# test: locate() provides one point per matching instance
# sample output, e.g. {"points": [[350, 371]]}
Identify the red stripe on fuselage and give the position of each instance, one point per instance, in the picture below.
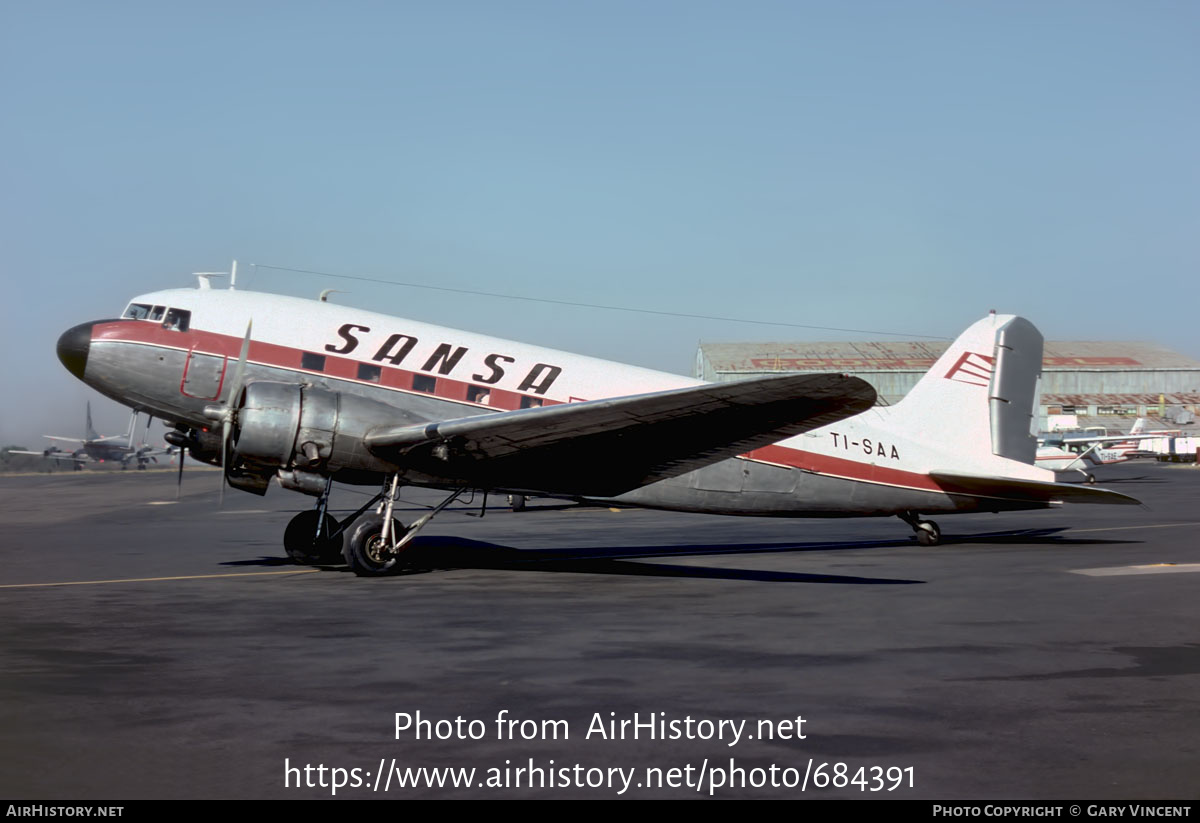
{"points": [[841, 467], [290, 358]]}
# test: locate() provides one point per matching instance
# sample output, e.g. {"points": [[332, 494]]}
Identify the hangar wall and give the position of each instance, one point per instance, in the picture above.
{"points": [[1102, 383]]}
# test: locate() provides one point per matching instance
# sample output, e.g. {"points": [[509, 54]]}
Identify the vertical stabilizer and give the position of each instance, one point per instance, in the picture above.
{"points": [[978, 398]]}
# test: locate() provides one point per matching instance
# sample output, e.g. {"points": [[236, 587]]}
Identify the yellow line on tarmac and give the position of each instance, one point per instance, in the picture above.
{"points": [[1125, 528], [1151, 568], [153, 579]]}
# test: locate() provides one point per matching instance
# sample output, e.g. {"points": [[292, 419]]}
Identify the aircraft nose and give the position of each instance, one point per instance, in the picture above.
{"points": [[73, 348]]}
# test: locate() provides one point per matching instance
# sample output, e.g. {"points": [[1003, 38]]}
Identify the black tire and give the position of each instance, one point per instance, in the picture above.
{"points": [[299, 542], [364, 552], [517, 502]]}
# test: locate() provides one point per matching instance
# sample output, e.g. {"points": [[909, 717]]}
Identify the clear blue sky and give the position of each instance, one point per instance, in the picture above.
{"points": [[893, 166]]}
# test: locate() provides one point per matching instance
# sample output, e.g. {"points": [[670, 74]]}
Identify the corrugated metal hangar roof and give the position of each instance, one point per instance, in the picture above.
{"points": [[920, 355], [1143, 399]]}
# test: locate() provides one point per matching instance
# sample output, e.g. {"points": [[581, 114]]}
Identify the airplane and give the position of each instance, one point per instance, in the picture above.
{"points": [[92, 447], [1062, 453], [307, 392]]}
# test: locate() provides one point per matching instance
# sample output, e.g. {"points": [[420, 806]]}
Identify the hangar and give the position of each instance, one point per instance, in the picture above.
{"points": [[1107, 384]]}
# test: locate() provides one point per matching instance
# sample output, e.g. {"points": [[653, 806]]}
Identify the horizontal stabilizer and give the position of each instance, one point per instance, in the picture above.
{"points": [[607, 447], [1008, 488]]}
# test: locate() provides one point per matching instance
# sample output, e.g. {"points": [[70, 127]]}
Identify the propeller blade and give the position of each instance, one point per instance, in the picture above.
{"points": [[225, 428], [179, 479], [239, 371], [233, 390]]}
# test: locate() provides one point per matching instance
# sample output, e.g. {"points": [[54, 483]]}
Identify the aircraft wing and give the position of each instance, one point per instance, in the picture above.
{"points": [[1014, 489], [55, 455], [607, 447], [1110, 438]]}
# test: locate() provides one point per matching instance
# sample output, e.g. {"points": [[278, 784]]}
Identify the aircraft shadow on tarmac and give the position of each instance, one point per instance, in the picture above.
{"points": [[431, 554]]}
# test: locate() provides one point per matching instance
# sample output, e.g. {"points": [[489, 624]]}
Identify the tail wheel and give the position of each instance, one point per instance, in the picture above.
{"points": [[305, 547], [367, 553]]}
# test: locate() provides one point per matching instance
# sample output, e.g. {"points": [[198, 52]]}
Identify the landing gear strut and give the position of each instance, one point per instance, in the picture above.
{"points": [[926, 531], [376, 544]]}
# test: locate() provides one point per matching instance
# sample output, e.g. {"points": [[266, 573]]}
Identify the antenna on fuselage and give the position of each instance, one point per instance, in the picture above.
{"points": [[324, 298]]}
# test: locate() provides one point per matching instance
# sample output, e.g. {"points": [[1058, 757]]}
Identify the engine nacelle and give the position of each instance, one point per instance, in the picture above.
{"points": [[287, 426], [268, 418]]}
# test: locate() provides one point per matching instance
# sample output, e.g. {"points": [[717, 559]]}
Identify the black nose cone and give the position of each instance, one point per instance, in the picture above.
{"points": [[73, 348]]}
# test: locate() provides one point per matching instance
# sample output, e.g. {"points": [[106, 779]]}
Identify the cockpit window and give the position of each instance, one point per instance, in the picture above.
{"points": [[177, 320], [156, 313], [137, 311]]}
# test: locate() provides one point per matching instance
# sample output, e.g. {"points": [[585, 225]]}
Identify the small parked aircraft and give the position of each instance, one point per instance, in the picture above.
{"points": [[1068, 452], [307, 392]]}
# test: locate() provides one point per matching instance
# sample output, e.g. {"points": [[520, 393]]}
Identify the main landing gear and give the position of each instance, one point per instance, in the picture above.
{"points": [[372, 545], [314, 538], [926, 531]]}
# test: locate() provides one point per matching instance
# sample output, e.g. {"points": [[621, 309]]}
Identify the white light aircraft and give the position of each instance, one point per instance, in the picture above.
{"points": [[1081, 452], [308, 392]]}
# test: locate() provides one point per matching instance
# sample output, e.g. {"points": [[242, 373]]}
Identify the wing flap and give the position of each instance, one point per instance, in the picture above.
{"points": [[1015, 489], [606, 447]]}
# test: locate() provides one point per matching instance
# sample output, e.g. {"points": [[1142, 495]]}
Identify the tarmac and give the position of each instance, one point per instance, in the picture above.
{"points": [[162, 649]]}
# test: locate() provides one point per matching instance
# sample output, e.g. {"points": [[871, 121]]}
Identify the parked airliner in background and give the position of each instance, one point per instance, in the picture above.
{"points": [[308, 392], [115, 448]]}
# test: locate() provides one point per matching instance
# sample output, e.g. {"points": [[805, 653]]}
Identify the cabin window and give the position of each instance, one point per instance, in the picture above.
{"points": [[368, 372], [530, 402], [312, 362], [425, 383], [479, 394], [137, 311], [177, 320]]}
